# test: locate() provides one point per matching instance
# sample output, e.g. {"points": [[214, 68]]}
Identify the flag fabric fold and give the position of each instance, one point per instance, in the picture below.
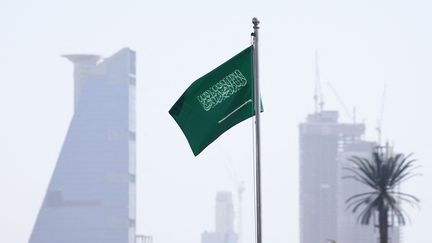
{"points": [[216, 102]]}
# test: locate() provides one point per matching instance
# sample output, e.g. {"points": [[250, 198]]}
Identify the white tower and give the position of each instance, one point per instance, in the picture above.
{"points": [[224, 221], [224, 213]]}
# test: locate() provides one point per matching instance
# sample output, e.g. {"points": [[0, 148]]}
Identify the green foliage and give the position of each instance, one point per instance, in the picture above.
{"points": [[382, 174]]}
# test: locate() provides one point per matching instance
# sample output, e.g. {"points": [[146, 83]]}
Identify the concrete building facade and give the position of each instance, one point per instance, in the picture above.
{"points": [[325, 146]]}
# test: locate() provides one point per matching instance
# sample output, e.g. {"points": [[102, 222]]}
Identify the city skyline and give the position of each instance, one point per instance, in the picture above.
{"points": [[326, 145], [363, 46]]}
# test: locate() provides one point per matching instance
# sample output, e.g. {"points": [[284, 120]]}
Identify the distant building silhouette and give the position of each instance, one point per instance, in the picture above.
{"points": [[224, 221], [91, 195], [325, 146]]}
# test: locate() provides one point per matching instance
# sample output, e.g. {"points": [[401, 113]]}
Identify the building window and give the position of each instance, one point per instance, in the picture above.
{"points": [[132, 81], [132, 136], [132, 222], [132, 178]]}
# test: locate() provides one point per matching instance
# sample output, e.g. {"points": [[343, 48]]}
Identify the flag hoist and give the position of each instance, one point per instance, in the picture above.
{"points": [[219, 100], [257, 96]]}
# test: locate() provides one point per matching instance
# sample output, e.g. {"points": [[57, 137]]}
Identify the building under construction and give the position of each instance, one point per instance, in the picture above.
{"points": [[325, 146]]}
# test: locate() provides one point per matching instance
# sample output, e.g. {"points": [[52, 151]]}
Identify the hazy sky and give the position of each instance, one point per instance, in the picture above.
{"points": [[363, 45]]}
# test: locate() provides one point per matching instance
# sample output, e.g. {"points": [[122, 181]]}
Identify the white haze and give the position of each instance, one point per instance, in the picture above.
{"points": [[363, 45]]}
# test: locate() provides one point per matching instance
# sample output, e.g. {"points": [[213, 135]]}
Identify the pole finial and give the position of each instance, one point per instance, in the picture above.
{"points": [[255, 22]]}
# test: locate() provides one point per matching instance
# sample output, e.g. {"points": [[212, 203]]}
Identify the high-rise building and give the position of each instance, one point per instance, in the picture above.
{"points": [[91, 195], [224, 221], [349, 229], [224, 212], [325, 146]]}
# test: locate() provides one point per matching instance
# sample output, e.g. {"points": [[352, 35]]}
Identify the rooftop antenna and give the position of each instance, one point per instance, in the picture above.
{"points": [[318, 96], [381, 116]]}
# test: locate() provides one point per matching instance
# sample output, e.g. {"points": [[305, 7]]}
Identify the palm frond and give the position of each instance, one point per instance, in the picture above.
{"points": [[381, 174]]}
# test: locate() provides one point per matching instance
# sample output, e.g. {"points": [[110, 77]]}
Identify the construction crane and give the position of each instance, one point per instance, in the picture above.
{"points": [[379, 127], [347, 112]]}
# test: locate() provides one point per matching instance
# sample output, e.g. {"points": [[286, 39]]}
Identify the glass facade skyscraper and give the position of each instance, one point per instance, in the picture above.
{"points": [[91, 195]]}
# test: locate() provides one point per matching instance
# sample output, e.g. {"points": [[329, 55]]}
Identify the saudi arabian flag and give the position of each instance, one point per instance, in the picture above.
{"points": [[216, 102]]}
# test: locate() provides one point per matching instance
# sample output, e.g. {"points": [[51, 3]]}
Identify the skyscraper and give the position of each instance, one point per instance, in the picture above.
{"points": [[325, 146], [224, 221], [224, 212], [91, 195]]}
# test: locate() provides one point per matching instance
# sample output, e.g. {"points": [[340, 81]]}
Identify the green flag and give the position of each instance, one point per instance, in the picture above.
{"points": [[216, 102]]}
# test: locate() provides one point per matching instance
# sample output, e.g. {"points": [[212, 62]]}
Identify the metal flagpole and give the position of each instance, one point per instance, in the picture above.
{"points": [[257, 106]]}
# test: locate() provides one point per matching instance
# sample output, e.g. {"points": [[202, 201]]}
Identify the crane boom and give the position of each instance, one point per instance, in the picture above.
{"points": [[381, 115]]}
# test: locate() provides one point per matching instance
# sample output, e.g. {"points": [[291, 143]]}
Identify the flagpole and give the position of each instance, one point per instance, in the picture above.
{"points": [[257, 104]]}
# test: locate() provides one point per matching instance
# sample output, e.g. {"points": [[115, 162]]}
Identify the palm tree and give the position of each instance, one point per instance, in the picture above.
{"points": [[382, 174]]}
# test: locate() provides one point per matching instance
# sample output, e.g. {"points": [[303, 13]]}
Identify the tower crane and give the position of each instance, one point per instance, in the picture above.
{"points": [[381, 116], [347, 112]]}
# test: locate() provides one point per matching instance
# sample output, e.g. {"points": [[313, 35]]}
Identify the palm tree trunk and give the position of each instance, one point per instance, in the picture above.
{"points": [[383, 224]]}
